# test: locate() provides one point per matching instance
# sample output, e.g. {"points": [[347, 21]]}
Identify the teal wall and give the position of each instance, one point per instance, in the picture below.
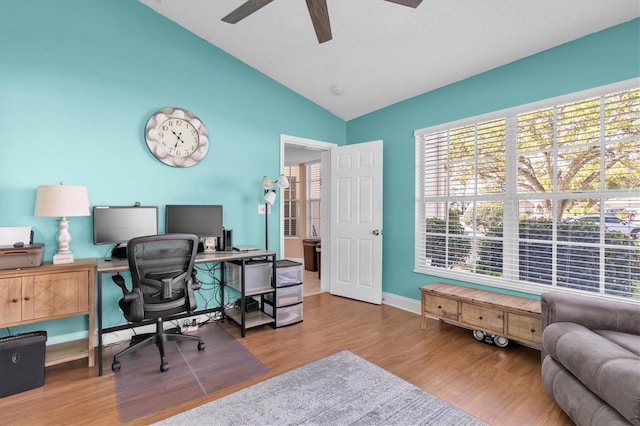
{"points": [[78, 81], [602, 58]]}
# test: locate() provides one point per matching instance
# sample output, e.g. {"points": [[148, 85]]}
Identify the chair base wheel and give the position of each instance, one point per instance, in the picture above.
{"points": [[116, 366], [164, 367], [201, 346]]}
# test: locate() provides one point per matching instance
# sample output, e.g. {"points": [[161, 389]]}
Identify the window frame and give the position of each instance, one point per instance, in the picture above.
{"points": [[510, 197]]}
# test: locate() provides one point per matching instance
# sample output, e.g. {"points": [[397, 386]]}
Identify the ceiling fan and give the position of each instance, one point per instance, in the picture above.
{"points": [[317, 9]]}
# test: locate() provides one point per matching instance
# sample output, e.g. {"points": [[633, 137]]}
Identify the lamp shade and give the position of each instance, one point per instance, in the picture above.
{"points": [[62, 201], [283, 182], [270, 196]]}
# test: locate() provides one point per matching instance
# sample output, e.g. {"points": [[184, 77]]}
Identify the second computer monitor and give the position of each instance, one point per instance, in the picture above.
{"points": [[201, 220]]}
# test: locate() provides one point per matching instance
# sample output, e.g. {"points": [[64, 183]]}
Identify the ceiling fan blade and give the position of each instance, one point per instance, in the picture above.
{"points": [[410, 3], [244, 10], [320, 18]]}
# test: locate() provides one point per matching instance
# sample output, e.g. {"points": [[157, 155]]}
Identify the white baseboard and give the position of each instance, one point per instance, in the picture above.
{"points": [[401, 302]]}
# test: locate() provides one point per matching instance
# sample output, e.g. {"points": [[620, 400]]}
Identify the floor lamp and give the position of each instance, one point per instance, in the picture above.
{"points": [[62, 201], [269, 186]]}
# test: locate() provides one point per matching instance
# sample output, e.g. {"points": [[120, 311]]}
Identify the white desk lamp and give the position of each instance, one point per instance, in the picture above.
{"points": [[62, 201], [269, 185]]}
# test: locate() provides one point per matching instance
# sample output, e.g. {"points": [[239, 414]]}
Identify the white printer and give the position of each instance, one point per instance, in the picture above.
{"points": [[25, 256]]}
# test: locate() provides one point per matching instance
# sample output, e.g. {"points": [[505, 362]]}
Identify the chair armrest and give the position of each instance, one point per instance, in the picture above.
{"points": [[590, 312]]}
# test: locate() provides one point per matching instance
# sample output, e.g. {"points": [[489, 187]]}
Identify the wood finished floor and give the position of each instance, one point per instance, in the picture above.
{"points": [[499, 386]]}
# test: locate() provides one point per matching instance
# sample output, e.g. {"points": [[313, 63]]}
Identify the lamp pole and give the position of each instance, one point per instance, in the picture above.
{"points": [[266, 226]]}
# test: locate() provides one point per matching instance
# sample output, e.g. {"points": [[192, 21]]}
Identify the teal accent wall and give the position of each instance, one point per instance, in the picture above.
{"points": [[80, 78], [78, 81], [598, 59]]}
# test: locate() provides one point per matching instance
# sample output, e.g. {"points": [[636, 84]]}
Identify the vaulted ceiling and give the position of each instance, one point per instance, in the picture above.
{"points": [[381, 52]]}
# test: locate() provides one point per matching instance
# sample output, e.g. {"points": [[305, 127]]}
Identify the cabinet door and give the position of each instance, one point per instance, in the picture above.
{"points": [[55, 295], [10, 300]]}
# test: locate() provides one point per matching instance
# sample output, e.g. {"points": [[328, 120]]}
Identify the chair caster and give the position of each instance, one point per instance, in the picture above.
{"points": [[201, 346], [164, 367], [116, 366]]}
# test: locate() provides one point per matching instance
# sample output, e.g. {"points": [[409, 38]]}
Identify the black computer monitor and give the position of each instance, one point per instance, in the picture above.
{"points": [[119, 224], [201, 220]]}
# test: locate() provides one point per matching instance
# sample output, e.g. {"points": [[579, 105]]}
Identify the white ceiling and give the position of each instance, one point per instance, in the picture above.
{"points": [[383, 53]]}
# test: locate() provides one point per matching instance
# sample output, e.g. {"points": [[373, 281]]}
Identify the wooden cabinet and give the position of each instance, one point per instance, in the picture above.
{"points": [[51, 292], [516, 318]]}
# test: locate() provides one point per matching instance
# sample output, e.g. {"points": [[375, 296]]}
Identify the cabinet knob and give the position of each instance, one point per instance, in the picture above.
{"points": [[480, 317], [533, 330], [14, 300], [439, 307], [27, 298]]}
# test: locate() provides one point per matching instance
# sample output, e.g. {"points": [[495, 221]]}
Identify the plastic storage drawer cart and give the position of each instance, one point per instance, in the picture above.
{"points": [[285, 305], [257, 275], [22, 362]]}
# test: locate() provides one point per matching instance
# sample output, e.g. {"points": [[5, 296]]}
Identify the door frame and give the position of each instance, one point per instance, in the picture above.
{"points": [[324, 149]]}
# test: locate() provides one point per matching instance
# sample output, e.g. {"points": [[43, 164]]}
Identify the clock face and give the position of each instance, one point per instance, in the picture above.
{"points": [[176, 137]]}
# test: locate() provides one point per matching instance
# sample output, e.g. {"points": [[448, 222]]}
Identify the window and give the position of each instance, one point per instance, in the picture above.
{"points": [[314, 184], [291, 201], [535, 197]]}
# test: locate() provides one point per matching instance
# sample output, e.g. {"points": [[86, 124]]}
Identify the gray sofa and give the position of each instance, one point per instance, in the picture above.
{"points": [[591, 358]]}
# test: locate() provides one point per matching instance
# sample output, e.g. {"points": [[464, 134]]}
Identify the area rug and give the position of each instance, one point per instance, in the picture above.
{"points": [[342, 389], [142, 389]]}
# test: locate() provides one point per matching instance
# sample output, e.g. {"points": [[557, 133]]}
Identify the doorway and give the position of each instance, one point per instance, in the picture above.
{"points": [[295, 154]]}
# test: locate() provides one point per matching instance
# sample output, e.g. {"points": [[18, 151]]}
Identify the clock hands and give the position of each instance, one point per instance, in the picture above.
{"points": [[177, 136]]}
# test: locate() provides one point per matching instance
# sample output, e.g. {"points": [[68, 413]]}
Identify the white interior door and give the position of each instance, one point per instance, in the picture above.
{"points": [[355, 232]]}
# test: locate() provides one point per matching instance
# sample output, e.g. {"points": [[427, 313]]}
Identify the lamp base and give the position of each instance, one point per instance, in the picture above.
{"points": [[62, 258]]}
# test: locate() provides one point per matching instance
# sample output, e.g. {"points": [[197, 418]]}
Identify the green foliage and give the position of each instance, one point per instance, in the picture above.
{"points": [[577, 263], [437, 235], [488, 214]]}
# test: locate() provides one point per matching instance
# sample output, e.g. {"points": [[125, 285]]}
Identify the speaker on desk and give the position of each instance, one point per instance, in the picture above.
{"points": [[228, 239]]}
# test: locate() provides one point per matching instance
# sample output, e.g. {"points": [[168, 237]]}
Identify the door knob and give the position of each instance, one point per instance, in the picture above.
{"points": [[376, 232]]}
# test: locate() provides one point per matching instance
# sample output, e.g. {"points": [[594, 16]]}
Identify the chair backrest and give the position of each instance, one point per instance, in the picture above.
{"points": [[161, 267]]}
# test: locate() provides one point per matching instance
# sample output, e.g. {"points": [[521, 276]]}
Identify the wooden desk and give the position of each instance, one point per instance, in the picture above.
{"points": [[115, 266], [51, 292]]}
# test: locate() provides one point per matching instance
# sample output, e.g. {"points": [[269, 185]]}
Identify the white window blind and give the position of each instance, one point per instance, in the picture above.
{"points": [[533, 198], [314, 186], [292, 201]]}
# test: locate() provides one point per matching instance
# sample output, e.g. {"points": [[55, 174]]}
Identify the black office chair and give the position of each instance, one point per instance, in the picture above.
{"points": [[163, 284]]}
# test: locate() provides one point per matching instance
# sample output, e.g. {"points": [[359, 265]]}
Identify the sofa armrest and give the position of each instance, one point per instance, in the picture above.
{"points": [[590, 312]]}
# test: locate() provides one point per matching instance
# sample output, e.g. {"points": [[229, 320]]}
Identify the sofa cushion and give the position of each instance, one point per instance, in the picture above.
{"points": [[580, 404], [608, 370], [630, 342]]}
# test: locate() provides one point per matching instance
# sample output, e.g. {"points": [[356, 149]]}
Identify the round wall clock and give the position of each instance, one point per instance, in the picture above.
{"points": [[177, 137]]}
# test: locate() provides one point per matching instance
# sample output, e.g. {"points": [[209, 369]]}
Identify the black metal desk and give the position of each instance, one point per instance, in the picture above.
{"points": [[120, 265]]}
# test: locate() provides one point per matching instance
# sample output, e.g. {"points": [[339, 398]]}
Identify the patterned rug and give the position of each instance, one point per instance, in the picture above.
{"points": [[342, 389], [142, 389]]}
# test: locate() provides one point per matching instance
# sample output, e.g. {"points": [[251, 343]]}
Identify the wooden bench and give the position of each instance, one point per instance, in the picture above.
{"points": [[493, 316]]}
